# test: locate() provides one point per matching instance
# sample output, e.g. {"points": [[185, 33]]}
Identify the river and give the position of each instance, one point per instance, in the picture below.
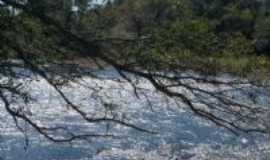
{"points": [[180, 133]]}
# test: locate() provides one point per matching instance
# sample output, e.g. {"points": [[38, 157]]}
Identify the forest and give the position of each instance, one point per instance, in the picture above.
{"points": [[227, 35]]}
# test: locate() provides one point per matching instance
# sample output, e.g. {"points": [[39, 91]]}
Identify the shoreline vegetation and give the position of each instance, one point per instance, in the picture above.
{"points": [[180, 44], [255, 68], [208, 37]]}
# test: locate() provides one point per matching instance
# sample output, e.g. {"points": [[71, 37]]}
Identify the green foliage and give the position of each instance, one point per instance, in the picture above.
{"points": [[238, 45], [196, 41], [263, 27], [214, 36]]}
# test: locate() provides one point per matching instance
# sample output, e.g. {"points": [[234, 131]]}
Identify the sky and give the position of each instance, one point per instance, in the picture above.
{"points": [[99, 1]]}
